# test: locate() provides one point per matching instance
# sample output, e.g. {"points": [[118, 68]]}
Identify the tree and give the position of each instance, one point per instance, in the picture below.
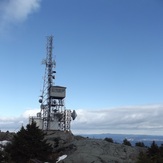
{"points": [[154, 154], [109, 140], [139, 144], [1, 156], [143, 158], [126, 142], [153, 150], [28, 144]]}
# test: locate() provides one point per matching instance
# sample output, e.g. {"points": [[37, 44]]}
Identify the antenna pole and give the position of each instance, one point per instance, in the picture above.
{"points": [[53, 115]]}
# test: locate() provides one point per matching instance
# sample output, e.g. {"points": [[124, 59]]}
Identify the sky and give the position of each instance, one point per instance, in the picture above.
{"points": [[109, 56]]}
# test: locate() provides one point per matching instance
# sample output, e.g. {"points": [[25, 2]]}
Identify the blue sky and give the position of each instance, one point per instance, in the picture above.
{"points": [[109, 54]]}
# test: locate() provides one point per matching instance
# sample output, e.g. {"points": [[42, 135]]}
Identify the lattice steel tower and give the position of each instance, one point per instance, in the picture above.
{"points": [[53, 115]]}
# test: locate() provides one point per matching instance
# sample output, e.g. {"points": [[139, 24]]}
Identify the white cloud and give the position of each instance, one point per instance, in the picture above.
{"points": [[134, 120], [30, 112], [14, 11], [15, 123], [123, 120]]}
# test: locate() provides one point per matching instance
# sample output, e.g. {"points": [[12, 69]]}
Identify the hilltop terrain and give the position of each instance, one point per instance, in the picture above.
{"points": [[68, 148], [78, 149], [86, 150]]}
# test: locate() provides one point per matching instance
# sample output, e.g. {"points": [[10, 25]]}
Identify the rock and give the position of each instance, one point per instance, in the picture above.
{"points": [[63, 135], [58, 138], [85, 150], [100, 151]]}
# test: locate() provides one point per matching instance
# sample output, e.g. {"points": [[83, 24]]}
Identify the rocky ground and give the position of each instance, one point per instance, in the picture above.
{"points": [[85, 150], [78, 149]]}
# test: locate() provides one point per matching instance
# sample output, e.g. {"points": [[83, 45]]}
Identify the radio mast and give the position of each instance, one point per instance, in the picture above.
{"points": [[53, 115]]}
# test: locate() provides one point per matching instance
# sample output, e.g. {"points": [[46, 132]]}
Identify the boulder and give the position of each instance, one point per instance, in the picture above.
{"points": [[85, 150], [100, 151]]}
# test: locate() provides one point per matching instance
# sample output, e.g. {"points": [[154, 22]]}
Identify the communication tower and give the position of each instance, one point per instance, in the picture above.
{"points": [[53, 115]]}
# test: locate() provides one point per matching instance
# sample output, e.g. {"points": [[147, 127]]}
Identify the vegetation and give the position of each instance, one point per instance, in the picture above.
{"points": [[109, 140], [6, 135], [126, 142], [154, 154], [28, 144], [1, 156], [139, 144]]}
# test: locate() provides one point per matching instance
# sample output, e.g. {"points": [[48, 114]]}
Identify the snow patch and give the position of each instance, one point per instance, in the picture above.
{"points": [[61, 158]]}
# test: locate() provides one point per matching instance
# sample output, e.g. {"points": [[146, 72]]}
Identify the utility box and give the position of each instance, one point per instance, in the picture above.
{"points": [[57, 92]]}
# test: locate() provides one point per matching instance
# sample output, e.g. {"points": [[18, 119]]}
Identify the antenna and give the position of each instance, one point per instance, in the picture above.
{"points": [[53, 115]]}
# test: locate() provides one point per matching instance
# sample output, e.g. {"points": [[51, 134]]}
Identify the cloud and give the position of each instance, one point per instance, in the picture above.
{"points": [[146, 119], [30, 112], [14, 123], [134, 120], [14, 11]]}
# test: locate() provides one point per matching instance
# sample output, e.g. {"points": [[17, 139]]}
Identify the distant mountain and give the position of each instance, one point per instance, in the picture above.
{"points": [[118, 138]]}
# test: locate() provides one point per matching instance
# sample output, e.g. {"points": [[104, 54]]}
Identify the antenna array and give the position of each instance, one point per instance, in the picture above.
{"points": [[53, 115]]}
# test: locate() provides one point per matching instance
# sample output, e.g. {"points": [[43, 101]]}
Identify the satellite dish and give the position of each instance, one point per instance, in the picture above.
{"points": [[73, 115], [40, 100]]}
